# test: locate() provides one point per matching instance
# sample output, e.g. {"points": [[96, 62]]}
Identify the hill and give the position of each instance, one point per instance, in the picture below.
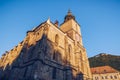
{"points": [[103, 59]]}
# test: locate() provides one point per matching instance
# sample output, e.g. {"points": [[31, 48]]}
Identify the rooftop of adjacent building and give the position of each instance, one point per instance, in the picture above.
{"points": [[103, 70]]}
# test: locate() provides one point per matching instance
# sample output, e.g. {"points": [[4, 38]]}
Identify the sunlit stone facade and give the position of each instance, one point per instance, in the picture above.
{"points": [[48, 52]]}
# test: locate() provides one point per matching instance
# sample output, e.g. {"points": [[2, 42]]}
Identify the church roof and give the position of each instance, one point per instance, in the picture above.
{"points": [[103, 70]]}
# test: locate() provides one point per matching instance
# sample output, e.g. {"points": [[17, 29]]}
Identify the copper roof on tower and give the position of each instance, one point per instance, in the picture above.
{"points": [[69, 16]]}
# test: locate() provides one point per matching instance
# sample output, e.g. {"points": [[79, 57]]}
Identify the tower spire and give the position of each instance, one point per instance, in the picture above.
{"points": [[69, 12], [69, 16]]}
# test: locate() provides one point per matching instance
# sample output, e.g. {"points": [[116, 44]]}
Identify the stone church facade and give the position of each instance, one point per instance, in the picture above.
{"points": [[48, 52]]}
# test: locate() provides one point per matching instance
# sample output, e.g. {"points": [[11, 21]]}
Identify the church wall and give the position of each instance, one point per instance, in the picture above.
{"points": [[53, 31], [47, 53], [34, 36], [72, 52], [66, 26], [75, 26]]}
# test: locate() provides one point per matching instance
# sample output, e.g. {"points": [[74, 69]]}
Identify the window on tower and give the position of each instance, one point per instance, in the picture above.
{"points": [[77, 37], [69, 52], [69, 48], [56, 39]]}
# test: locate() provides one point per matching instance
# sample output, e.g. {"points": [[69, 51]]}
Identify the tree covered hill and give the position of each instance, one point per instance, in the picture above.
{"points": [[104, 59]]}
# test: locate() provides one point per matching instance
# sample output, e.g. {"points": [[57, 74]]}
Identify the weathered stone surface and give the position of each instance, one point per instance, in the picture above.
{"points": [[48, 53]]}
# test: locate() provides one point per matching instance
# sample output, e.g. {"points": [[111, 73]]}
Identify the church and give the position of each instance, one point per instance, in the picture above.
{"points": [[48, 52]]}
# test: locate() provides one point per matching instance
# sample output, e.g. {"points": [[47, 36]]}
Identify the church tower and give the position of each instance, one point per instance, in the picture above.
{"points": [[71, 27]]}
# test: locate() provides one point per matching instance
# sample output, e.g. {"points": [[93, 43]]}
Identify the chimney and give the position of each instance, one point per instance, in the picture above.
{"points": [[56, 23]]}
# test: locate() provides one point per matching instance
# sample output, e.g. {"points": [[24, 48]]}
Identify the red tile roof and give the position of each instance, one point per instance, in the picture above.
{"points": [[102, 70]]}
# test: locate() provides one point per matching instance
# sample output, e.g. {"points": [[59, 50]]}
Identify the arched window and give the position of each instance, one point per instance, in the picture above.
{"points": [[115, 77], [56, 39], [54, 73], [111, 77], [54, 56], [106, 77], [57, 56], [69, 52], [81, 56], [69, 48], [38, 33]]}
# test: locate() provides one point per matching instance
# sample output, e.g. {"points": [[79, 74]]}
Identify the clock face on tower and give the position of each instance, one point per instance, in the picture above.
{"points": [[77, 37]]}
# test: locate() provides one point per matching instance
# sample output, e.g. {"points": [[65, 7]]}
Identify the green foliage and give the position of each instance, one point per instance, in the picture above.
{"points": [[104, 60]]}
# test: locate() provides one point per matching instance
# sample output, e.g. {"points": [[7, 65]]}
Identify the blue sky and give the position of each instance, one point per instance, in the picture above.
{"points": [[99, 20]]}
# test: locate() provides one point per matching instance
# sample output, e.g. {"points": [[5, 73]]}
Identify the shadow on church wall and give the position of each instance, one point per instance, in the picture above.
{"points": [[39, 62]]}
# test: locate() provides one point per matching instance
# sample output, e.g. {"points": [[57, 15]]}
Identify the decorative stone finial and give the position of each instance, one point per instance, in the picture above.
{"points": [[56, 23], [48, 21]]}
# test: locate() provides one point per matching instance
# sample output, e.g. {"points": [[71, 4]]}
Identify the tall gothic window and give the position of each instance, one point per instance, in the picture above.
{"points": [[80, 55], [56, 39], [69, 52], [26, 69], [54, 73], [69, 48], [115, 77], [56, 56]]}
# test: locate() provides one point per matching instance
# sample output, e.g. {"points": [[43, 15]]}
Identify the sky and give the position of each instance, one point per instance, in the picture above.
{"points": [[99, 20]]}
